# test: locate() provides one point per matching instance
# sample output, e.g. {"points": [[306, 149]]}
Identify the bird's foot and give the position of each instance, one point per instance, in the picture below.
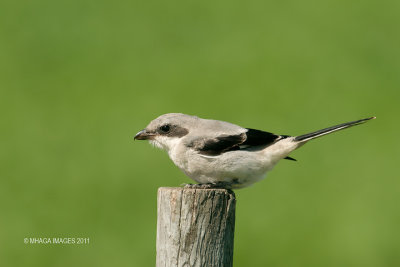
{"points": [[217, 185], [197, 186]]}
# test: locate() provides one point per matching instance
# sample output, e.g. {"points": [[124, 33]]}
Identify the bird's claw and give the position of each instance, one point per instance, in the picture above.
{"points": [[217, 185]]}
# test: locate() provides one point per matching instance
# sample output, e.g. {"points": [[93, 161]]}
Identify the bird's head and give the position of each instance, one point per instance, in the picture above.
{"points": [[166, 130]]}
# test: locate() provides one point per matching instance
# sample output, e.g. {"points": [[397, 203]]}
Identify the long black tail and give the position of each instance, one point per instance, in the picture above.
{"points": [[309, 136]]}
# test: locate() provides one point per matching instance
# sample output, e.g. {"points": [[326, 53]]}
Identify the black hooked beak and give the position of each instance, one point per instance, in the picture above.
{"points": [[143, 135]]}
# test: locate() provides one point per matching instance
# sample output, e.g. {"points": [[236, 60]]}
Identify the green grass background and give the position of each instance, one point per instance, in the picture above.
{"points": [[79, 78]]}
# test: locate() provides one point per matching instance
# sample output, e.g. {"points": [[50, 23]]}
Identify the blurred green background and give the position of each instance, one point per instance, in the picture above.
{"points": [[79, 78]]}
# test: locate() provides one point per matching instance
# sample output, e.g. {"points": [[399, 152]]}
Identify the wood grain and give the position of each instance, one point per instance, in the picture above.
{"points": [[195, 227]]}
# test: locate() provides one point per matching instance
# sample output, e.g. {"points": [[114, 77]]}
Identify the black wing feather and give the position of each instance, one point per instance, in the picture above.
{"points": [[222, 144], [290, 158], [250, 139], [259, 138]]}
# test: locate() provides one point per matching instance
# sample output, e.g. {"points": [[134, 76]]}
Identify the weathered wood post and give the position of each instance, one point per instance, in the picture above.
{"points": [[195, 227]]}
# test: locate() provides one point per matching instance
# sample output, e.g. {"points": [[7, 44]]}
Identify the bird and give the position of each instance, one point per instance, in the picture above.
{"points": [[219, 154]]}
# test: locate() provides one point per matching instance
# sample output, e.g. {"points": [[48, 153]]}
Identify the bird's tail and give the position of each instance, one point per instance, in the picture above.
{"points": [[306, 137]]}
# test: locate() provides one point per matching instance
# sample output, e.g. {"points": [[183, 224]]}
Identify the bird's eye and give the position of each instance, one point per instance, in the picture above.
{"points": [[165, 128]]}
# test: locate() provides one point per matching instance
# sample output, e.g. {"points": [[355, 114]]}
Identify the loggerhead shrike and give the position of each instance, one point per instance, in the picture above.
{"points": [[221, 154]]}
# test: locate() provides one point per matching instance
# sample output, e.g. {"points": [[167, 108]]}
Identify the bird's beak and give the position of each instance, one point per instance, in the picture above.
{"points": [[143, 135]]}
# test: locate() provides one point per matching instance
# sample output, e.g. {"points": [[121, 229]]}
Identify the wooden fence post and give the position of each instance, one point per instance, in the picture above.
{"points": [[195, 227]]}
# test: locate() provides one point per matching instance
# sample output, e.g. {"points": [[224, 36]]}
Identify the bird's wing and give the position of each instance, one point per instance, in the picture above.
{"points": [[260, 138], [250, 138]]}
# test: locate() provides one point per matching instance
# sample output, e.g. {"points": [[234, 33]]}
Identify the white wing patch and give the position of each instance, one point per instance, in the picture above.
{"points": [[209, 157]]}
